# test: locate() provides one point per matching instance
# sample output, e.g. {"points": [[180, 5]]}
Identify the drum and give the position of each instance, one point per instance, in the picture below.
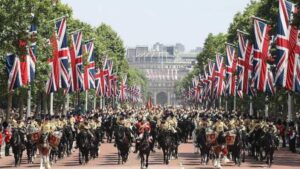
{"points": [[230, 138], [211, 137], [35, 136], [54, 138]]}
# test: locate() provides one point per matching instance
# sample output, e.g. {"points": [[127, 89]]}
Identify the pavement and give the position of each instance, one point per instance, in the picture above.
{"points": [[187, 160]]}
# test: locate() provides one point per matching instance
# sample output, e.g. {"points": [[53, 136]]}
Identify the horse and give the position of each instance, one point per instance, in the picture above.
{"points": [[269, 144], [144, 149], [109, 125], [123, 142], [217, 149], [256, 143], [153, 134], [44, 149], [166, 142], [68, 132], [30, 149], [201, 142], [95, 142], [17, 144], [238, 147], [83, 142]]}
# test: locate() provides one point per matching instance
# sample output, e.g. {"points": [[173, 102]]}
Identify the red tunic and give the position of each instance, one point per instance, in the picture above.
{"points": [[1, 135], [7, 135], [144, 127]]}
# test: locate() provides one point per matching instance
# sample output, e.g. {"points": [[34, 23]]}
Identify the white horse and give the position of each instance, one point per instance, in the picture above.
{"points": [[44, 151]]}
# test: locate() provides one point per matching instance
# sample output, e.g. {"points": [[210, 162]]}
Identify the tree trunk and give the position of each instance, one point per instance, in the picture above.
{"points": [[9, 105], [45, 104], [39, 101]]}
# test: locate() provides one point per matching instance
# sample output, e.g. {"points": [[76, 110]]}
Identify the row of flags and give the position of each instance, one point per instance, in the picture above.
{"points": [[70, 70], [168, 74], [249, 69]]}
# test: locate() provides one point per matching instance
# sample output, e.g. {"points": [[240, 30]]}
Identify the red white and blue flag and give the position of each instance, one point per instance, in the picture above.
{"points": [[231, 64], [219, 74], [263, 77], [76, 63], [21, 71], [288, 48], [123, 87], [110, 77], [211, 78], [14, 72], [89, 69], [59, 63], [245, 66]]}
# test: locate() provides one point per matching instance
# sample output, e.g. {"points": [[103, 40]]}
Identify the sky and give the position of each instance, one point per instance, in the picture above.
{"points": [[145, 22]]}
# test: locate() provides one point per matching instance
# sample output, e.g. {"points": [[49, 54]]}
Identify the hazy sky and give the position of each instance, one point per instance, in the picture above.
{"points": [[144, 22]]}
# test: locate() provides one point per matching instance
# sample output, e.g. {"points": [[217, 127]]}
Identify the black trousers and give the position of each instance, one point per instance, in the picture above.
{"points": [[7, 147], [293, 145], [283, 141]]}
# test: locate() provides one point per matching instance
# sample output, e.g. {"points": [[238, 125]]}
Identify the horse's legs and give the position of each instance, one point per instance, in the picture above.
{"points": [[42, 161], [147, 159], [142, 160]]}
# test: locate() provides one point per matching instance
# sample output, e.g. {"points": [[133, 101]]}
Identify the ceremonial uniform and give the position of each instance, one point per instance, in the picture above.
{"points": [[172, 121], [8, 135], [47, 127], [220, 126]]}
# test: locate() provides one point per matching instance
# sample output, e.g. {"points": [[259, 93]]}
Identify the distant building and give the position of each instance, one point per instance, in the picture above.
{"points": [[158, 47], [163, 66], [179, 47], [197, 50]]}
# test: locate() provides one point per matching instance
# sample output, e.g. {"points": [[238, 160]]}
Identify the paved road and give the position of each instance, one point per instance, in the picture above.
{"points": [[187, 160]]}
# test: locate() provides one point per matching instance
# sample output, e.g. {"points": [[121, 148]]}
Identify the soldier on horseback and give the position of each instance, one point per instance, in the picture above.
{"points": [[142, 125], [220, 127]]}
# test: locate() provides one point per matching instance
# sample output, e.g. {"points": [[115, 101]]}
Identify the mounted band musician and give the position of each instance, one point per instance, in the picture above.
{"points": [[142, 125]]}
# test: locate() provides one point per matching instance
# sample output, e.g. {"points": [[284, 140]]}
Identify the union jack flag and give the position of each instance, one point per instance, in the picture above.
{"points": [[263, 77], [219, 74], [28, 61], [21, 70], [109, 78], [205, 83], [76, 62], [14, 72], [288, 49], [244, 67], [59, 63], [123, 87], [89, 69], [231, 64], [210, 78]]}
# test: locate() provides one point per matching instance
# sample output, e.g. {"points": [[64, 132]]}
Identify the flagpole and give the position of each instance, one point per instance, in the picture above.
{"points": [[29, 103], [67, 102], [86, 101], [51, 104], [266, 106], [95, 102], [251, 106]]}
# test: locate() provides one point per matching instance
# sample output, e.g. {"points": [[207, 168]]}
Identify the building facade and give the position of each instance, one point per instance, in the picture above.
{"points": [[163, 66]]}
